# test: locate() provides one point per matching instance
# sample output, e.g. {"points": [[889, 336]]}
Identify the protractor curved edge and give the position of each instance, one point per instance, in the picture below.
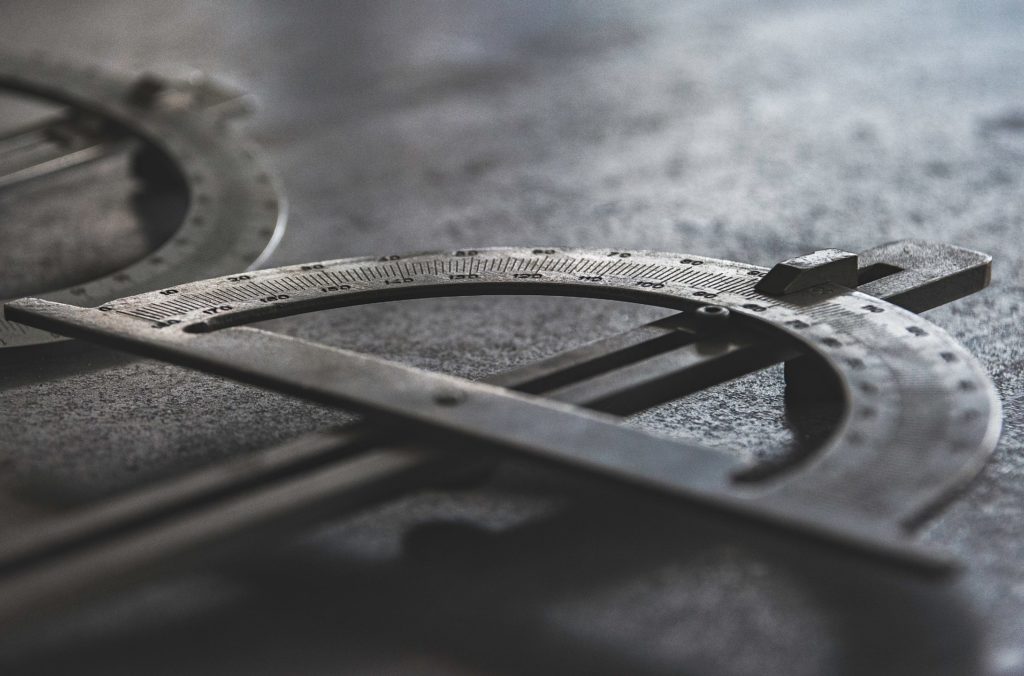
{"points": [[921, 416], [236, 213]]}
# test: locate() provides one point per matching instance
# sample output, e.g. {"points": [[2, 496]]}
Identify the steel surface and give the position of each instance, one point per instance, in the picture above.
{"points": [[921, 415], [236, 213]]}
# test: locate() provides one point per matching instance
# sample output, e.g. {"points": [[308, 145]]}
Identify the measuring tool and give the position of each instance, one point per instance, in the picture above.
{"points": [[920, 415], [176, 130]]}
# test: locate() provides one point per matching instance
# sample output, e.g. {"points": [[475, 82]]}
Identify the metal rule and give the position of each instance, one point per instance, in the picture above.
{"points": [[236, 212], [921, 416]]}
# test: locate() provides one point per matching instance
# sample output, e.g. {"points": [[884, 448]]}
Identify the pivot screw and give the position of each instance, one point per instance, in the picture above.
{"points": [[713, 312], [712, 317]]}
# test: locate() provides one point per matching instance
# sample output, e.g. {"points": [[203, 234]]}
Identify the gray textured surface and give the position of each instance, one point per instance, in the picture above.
{"points": [[752, 131]]}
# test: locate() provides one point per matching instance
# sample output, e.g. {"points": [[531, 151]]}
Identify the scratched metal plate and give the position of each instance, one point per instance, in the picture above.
{"points": [[736, 130]]}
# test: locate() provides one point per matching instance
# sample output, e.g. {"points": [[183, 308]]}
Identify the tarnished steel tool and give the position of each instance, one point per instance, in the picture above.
{"points": [[920, 418], [236, 212]]}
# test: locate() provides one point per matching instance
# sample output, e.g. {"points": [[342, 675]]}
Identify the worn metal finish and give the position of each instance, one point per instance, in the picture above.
{"points": [[236, 214], [242, 503], [921, 275], [803, 272], [922, 416], [743, 130]]}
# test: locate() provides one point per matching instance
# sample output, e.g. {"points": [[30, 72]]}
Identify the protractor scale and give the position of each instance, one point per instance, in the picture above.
{"points": [[920, 415], [179, 133]]}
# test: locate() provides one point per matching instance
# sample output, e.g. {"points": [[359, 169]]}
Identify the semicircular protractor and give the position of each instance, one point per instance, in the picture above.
{"points": [[920, 415], [176, 132]]}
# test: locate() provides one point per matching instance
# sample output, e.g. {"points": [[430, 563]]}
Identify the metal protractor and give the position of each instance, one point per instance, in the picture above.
{"points": [[921, 416], [235, 214]]}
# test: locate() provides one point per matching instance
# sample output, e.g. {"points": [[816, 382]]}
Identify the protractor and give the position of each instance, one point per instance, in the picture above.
{"points": [[174, 138], [920, 415]]}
